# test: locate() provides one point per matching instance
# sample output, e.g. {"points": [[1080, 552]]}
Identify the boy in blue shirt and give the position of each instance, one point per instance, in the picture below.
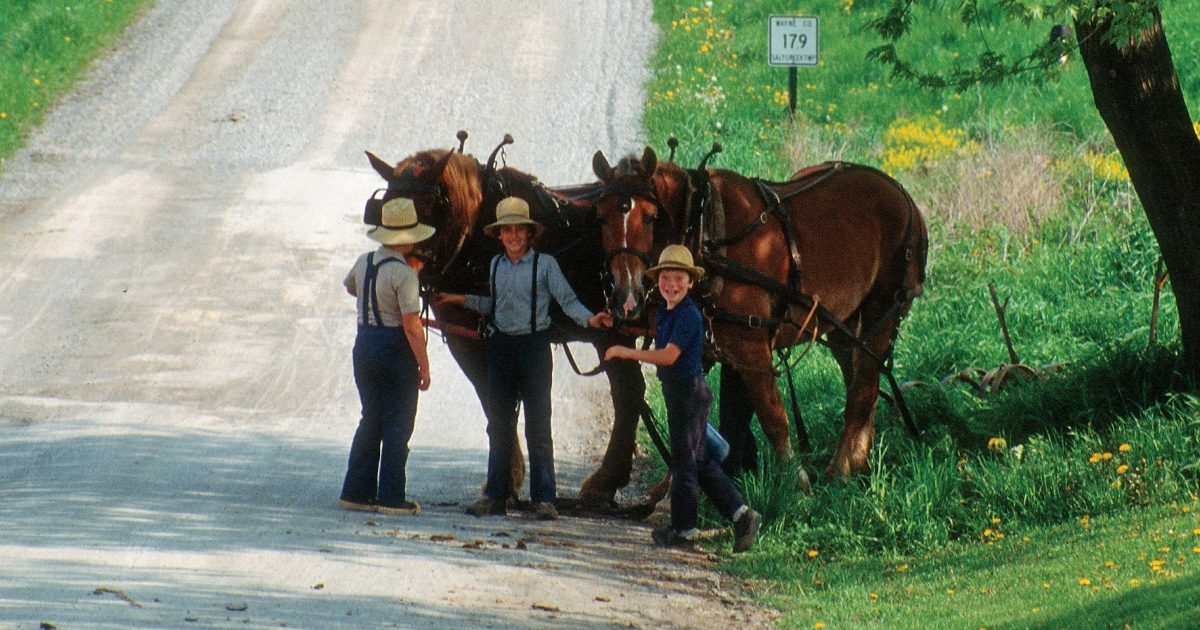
{"points": [[678, 341]]}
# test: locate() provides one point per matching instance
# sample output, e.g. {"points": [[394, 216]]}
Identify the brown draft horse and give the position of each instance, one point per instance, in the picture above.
{"points": [[457, 195], [839, 250]]}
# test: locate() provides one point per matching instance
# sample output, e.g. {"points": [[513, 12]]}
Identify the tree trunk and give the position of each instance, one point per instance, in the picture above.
{"points": [[1138, 95]]}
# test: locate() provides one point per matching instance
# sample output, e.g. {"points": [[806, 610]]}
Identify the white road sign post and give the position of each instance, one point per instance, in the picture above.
{"points": [[792, 41]]}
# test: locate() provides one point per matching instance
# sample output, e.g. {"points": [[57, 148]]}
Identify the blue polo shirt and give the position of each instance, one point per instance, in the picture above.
{"points": [[683, 327]]}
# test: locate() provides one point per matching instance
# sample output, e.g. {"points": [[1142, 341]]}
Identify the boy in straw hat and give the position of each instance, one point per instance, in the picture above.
{"points": [[519, 365], [390, 363], [678, 340]]}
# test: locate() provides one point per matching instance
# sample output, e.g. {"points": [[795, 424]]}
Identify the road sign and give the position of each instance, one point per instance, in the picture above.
{"points": [[792, 40]]}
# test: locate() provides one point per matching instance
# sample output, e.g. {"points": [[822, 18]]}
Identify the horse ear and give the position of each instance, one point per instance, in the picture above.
{"points": [[436, 171], [601, 167], [649, 161], [385, 171]]}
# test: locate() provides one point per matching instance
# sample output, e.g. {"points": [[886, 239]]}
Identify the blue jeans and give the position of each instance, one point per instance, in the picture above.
{"points": [[385, 372], [519, 370], [688, 403]]}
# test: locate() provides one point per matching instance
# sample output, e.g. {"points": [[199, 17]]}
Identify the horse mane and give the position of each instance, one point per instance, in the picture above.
{"points": [[463, 186]]}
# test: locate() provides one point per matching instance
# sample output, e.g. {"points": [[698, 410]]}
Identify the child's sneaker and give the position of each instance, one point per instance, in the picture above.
{"points": [[357, 506], [745, 530], [668, 537], [408, 508]]}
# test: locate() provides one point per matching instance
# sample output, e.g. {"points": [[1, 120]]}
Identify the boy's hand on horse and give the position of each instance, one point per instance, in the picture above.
{"points": [[443, 299], [601, 319]]}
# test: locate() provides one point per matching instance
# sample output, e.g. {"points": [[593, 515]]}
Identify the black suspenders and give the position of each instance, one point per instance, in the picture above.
{"points": [[532, 293], [370, 280]]}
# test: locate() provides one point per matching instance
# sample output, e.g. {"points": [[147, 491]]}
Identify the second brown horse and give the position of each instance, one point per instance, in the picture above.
{"points": [[837, 251]]}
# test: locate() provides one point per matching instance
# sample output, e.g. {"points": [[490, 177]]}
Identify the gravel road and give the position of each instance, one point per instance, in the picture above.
{"points": [[176, 401]]}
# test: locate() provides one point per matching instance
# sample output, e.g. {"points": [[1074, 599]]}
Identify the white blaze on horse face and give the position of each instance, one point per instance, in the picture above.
{"points": [[625, 224], [630, 302]]}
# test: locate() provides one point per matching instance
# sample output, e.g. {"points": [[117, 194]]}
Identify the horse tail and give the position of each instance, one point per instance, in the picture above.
{"points": [[915, 252]]}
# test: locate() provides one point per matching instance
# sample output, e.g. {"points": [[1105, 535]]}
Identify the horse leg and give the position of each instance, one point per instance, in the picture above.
{"points": [[752, 355], [860, 373], [468, 353], [734, 412], [628, 389]]}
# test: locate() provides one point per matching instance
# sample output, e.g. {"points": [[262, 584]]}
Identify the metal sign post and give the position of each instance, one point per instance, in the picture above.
{"points": [[792, 42]]}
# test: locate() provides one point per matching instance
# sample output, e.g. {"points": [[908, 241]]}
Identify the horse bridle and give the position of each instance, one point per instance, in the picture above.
{"points": [[645, 191], [407, 185]]}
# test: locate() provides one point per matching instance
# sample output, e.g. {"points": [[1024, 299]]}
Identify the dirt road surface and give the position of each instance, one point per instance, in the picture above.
{"points": [[176, 400]]}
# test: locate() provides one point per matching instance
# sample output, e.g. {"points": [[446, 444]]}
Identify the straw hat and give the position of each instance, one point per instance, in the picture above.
{"points": [[512, 211], [675, 257], [399, 225]]}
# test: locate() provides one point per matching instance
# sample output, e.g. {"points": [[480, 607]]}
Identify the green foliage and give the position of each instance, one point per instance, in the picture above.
{"points": [[1105, 426], [1124, 21], [45, 45]]}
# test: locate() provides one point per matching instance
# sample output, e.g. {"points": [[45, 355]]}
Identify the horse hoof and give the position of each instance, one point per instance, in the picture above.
{"points": [[593, 496]]}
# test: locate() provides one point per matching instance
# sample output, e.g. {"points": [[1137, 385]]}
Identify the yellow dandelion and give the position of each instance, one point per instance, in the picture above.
{"points": [[812, 553], [1046, 585], [1095, 458], [1107, 456], [819, 624], [1122, 469], [1084, 581], [1124, 448], [1195, 549], [1196, 532], [997, 444], [1109, 563], [3, 114], [949, 591], [902, 568], [37, 81], [874, 597], [1134, 582]]}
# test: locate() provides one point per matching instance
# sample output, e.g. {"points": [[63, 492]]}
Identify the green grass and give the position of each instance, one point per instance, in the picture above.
{"points": [[1095, 573], [1022, 189], [45, 47]]}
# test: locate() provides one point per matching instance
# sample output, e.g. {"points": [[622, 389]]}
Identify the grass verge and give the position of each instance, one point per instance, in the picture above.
{"points": [[45, 48]]}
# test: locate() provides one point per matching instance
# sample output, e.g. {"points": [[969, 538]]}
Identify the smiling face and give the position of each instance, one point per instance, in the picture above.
{"points": [[673, 285], [515, 239]]}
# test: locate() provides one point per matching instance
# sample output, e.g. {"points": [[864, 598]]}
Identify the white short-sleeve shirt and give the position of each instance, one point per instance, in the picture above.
{"points": [[396, 286]]}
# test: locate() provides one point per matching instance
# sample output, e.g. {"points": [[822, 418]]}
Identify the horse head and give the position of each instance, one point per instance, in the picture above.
{"points": [[446, 190], [637, 210]]}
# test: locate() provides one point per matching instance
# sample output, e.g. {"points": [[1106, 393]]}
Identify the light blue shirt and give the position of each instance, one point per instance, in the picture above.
{"points": [[513, 293]]}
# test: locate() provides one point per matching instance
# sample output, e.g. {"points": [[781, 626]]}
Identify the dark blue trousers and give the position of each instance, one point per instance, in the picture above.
{"points": [[519, 370], [688, 403], [385, 372]]}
